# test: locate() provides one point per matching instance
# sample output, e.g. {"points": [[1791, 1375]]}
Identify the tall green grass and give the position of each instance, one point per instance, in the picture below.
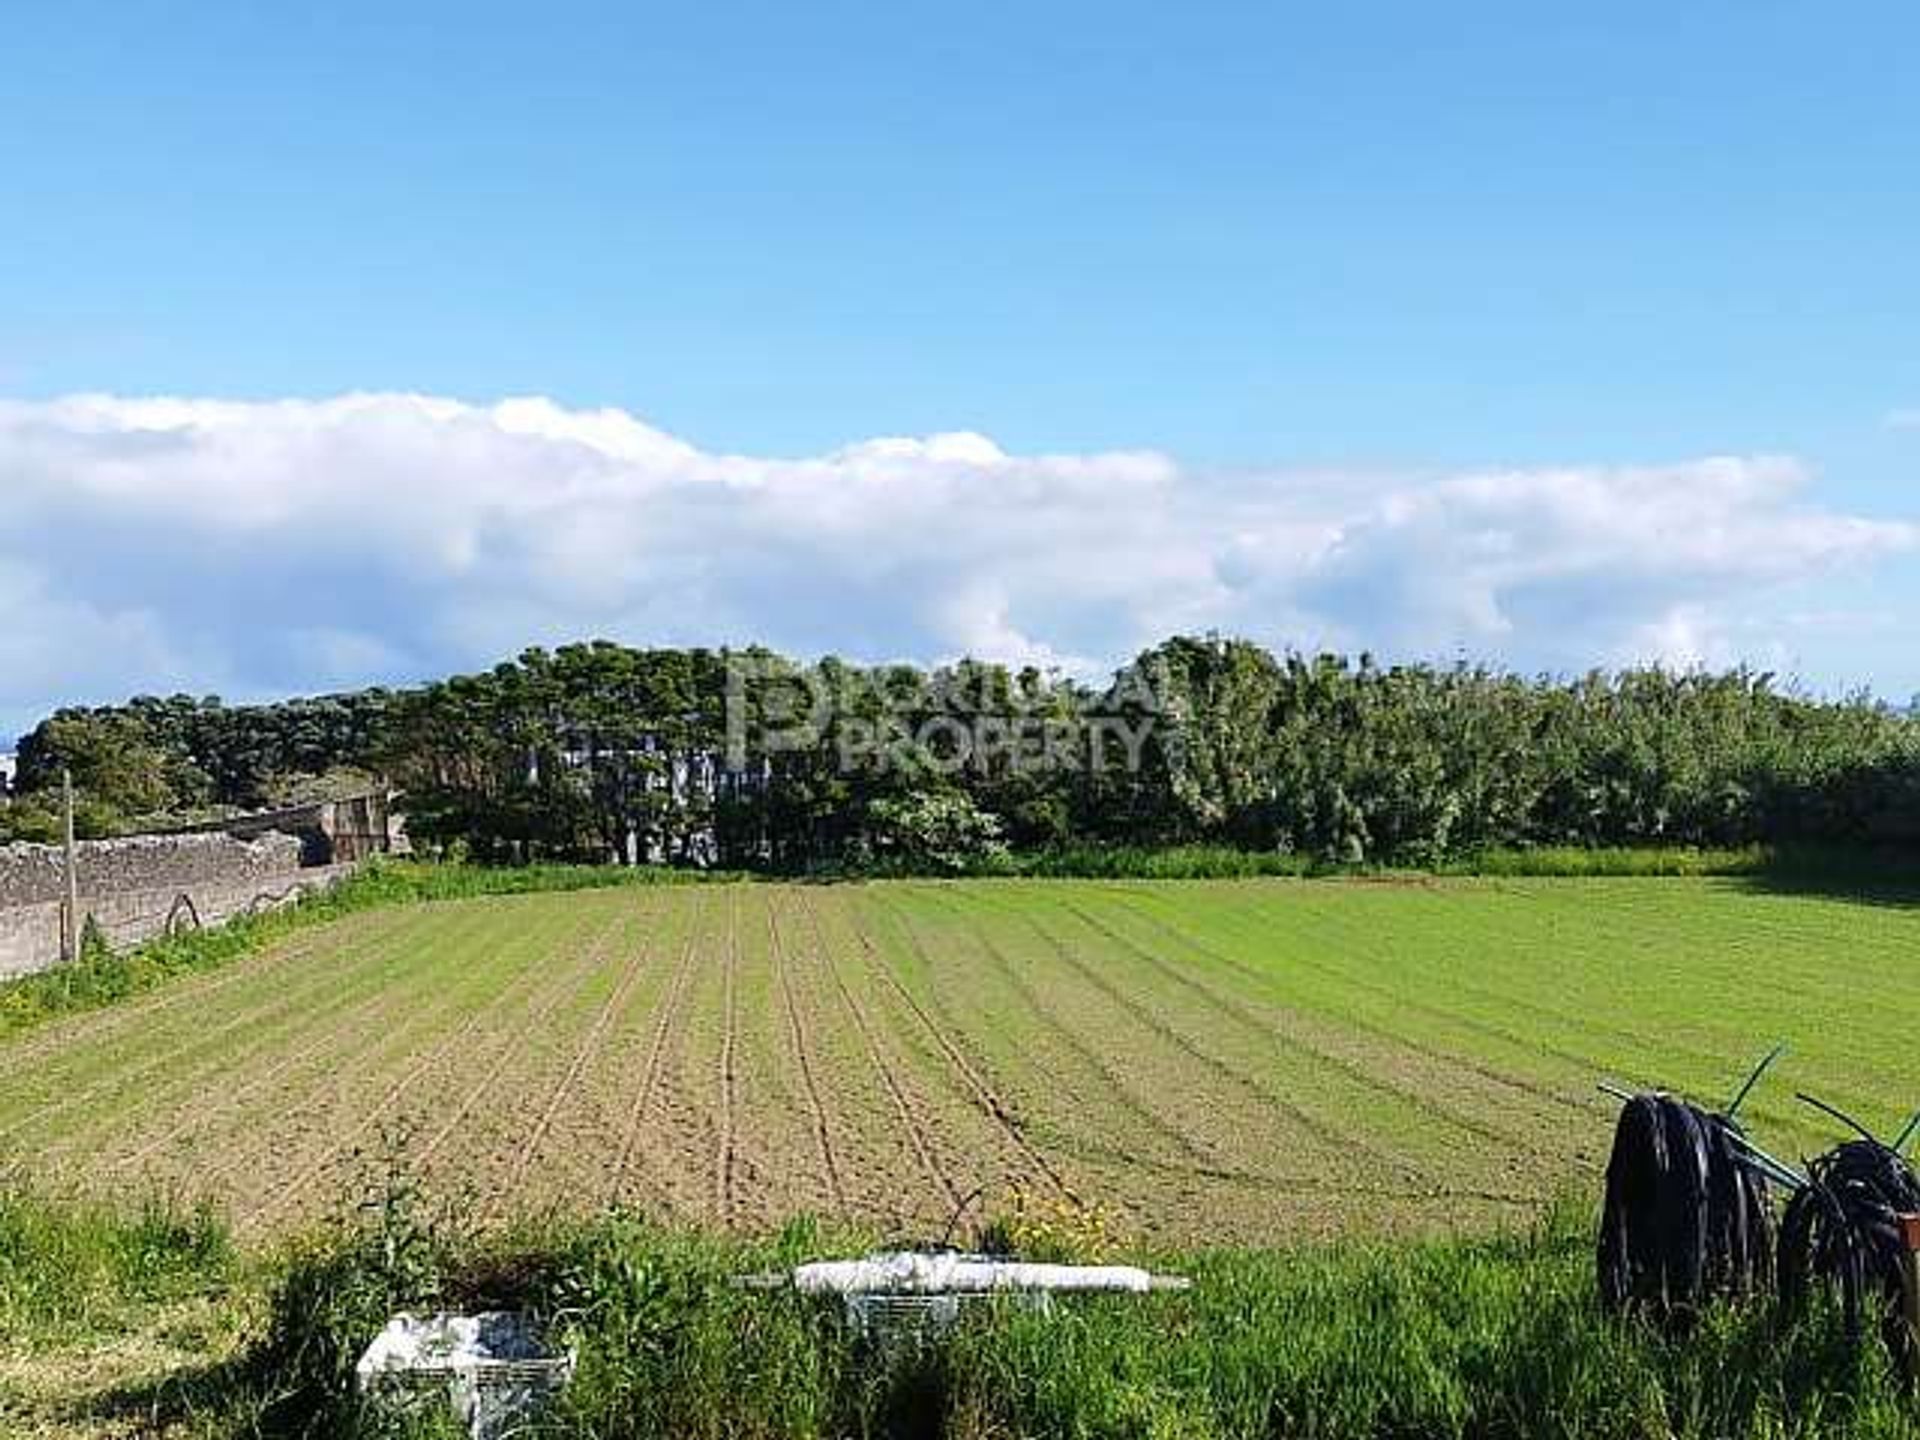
{"points": [[1218, 862], [1491, 1337], [71, 1269], [1448, 1339], [1177, 862], [1494, 1337], [1573, 862]]}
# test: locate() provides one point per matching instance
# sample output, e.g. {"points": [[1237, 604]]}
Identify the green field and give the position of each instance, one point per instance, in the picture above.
{"points": [[1246, 1060]]}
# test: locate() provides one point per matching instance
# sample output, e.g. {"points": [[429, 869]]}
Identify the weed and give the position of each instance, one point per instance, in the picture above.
{"points": [[1052, 1228], [1492, 1337]]}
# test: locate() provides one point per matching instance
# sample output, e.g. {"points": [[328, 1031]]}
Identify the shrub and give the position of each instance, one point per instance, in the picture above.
{"points": [[939, 832]]}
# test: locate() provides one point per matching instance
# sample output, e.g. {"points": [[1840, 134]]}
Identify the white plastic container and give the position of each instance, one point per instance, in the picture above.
{"points": [[494, 1369]]}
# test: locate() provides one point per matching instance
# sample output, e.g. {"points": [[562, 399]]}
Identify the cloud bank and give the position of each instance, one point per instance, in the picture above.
{"points": [[261, 548]]}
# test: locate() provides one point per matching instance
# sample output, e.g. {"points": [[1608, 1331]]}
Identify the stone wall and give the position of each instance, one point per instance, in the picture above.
{"points": [[143, 862], [144, 886]]}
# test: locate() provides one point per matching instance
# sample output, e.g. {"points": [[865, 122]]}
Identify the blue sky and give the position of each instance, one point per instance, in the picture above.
{"points": [[1314, 256]]}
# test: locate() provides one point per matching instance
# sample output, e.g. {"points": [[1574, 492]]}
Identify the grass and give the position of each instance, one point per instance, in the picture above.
{"points": [[100, 1302], [102, 977], [1645, 862], [1826, 866], [73, 1268], [1230, 1060], [1378, 1058], [1225, 862], [1496, 1336]]}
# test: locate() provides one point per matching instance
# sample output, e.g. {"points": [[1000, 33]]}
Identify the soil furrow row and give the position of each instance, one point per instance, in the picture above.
{"points": [[436, 1056], [1334, 1137], [325, 1046], [1203, 1160], [663, 1028], [588, 1048], [1400, 1000], [803, 1058], [345, 1059], [916, 1137], [728, 1146], [288, 1006], [989, 1100], [135, 1012], [556, 987]]}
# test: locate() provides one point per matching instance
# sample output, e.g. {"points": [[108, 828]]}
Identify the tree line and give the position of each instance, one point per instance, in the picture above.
{"points": [[160, 761], [743, 758]]}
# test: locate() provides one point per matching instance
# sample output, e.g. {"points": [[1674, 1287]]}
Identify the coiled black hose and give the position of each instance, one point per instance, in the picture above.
{"points": [[1686, 1218], [1843, 1231]]}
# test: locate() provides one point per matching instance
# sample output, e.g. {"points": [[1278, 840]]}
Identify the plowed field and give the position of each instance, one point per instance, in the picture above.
{"points": [[1249, 1059]]}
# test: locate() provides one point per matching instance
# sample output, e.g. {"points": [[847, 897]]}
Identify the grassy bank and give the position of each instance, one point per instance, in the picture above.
{"points": [[1213, 862], [1494, 1337]]}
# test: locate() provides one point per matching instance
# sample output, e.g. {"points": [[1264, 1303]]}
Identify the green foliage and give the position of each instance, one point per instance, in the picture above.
{"points": [[1573, 861], [29, 822], [1458, 1339], [1445, 1338], [936, 832], [601, 752], [70, 1270], [94, 948], [670, 1344], [586, 753], [36, 820], [1225, 862], [100, 977], [114, 759], [335, 1289], [589, 753], [1170, 862], [181, 756]]}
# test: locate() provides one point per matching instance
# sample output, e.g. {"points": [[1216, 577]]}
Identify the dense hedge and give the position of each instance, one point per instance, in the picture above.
{"points": [[744, 759]]}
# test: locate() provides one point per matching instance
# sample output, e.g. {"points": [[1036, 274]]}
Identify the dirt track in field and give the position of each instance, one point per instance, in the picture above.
{"points": [[1205, 1060]]}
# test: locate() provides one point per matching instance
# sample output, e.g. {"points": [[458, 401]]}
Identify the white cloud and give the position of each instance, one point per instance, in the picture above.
{"points": [[267, 547], [1572, 566]]}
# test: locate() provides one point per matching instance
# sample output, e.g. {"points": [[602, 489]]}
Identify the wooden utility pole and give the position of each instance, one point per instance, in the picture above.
{"points": [[70, 911]]}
